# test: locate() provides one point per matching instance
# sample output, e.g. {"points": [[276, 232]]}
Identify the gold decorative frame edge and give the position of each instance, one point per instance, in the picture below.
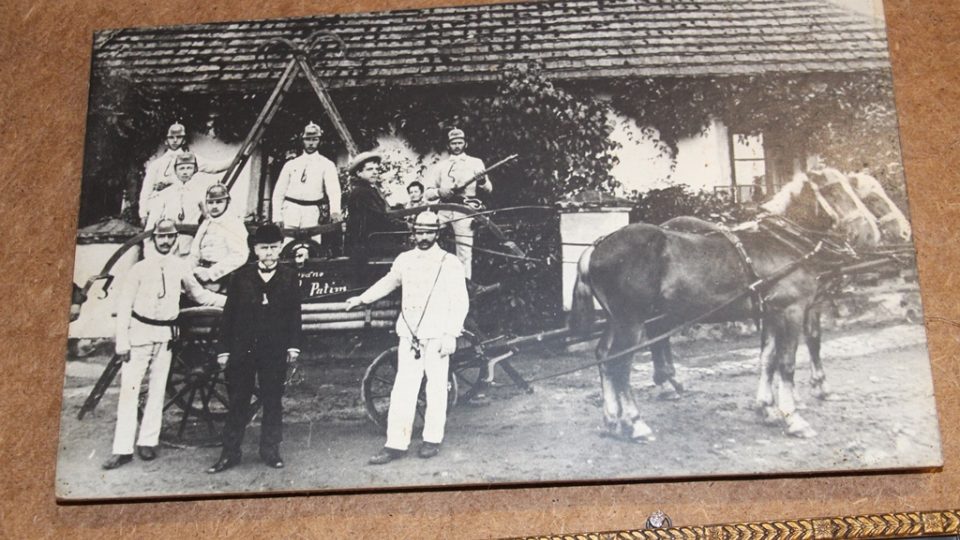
{"points": [[943, 522]]}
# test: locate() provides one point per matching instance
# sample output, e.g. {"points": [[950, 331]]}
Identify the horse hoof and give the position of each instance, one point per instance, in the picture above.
{"points": [[668, 394], [677, 386], [641, 432], [768, 415], [799, 428]]}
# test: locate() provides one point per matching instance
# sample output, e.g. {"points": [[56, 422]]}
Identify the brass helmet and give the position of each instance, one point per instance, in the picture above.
{"points": [[176, 130], [217, 192], [455, 134], [312, 130], [164, 227], [185, 158], [427, 221]]}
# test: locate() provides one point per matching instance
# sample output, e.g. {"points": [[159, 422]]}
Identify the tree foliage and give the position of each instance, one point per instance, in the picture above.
{"points": [[849, 119]]}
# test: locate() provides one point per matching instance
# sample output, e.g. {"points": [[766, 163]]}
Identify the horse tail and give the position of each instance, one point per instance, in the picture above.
{"points": [[582, 317]]}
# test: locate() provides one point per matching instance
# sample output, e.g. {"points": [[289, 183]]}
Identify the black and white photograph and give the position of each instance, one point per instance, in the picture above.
{"points": [[558, 241]]}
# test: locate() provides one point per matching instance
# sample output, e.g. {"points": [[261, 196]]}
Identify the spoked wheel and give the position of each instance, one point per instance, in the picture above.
{"points": [[198, 388], [378, 382], [469, 367]]}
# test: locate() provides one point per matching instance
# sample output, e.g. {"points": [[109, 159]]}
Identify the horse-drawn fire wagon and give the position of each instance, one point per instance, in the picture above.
{"points": [[651, 282]]}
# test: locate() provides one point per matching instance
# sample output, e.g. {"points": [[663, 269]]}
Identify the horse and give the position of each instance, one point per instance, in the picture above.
{"points": [[649, 279]]}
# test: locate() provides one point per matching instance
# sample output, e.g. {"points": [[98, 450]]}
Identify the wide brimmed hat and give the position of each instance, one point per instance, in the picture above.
{"points": [[268, 233], [360, 159]]}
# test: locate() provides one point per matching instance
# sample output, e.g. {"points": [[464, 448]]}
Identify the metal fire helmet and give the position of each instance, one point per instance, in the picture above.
{"points": [[165, 227], [455, 134], [312, 130], [176, 130], [186, 158], [218, 192], [427, 221]]}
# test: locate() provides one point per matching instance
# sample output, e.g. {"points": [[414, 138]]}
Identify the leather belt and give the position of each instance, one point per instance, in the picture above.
{"points": [[153, 322], [303, 202]]}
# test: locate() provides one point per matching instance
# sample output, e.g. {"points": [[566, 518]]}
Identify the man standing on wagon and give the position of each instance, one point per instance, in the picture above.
{"points": [[147, 308], [160, 173], [434, 305], [181, 202], [457, 179], [304, 182], [260, 334]]}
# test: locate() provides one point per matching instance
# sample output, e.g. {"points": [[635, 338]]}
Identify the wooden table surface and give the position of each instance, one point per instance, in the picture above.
{"points": [[44, 60]]}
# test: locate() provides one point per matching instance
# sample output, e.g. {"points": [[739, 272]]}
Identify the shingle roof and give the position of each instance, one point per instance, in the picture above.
{"points": [[574, 39]]}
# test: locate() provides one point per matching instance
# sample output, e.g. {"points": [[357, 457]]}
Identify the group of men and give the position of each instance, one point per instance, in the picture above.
{"points": [[260, 331]]}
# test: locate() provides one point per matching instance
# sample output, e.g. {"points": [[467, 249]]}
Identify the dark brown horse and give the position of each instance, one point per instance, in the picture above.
{"points": [[649, 279]]}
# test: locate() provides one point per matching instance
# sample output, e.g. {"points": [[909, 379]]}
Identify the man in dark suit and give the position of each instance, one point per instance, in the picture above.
{"points": [[259, 335], [367, 215]]}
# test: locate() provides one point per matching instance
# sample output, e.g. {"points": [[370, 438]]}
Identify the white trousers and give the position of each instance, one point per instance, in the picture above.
{"points": [[156, 356], [406, 388], [463, 236], [297, 216]]}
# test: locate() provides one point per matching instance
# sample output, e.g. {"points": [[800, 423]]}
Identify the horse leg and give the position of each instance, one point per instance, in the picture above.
{"points": [[792, 327], [631, 424], [611, 403], [812, 335], [768, 355], [663, 368]]}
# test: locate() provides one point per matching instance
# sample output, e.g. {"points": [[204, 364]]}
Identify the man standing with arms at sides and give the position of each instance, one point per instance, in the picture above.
{"points": [[450, 180], [259, 335], [160, 172], [220, 246], [303, 184], [147, 308], [434, 305]]}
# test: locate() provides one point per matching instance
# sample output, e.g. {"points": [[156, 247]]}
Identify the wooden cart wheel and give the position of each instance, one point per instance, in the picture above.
{"points": [[469, 367], [378, 382], [196, 384]]}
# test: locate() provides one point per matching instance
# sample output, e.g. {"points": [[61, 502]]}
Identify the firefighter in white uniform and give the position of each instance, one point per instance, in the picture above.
{"points": [[181, 202], [434, 306], [304, 182], [147, 308], [160, 172], [220, 246], [447, 181]]}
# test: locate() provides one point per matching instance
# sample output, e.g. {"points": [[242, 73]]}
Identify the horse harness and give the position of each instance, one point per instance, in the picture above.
{"points": [[747, 263]]}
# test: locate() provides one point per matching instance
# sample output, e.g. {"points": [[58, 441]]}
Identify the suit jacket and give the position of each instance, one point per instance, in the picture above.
{"points": [[367, 214], [261, 316]]}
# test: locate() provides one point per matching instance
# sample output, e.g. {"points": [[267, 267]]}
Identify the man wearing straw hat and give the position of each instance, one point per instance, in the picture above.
{"points": [[260, 334], [434, 304]]}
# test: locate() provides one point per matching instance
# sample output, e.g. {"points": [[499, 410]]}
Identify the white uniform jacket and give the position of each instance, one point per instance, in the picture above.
{"points": [[308, 178], [151, 289], [182, 202], [160, 174], [453, 172], [434, 293], [220, 246]]}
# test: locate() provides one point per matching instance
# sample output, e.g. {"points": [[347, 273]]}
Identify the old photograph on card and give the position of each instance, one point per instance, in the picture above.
{"points": [[557, 241]]}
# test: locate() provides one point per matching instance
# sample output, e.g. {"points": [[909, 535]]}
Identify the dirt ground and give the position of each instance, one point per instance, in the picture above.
{"points": [[881, 415]]}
